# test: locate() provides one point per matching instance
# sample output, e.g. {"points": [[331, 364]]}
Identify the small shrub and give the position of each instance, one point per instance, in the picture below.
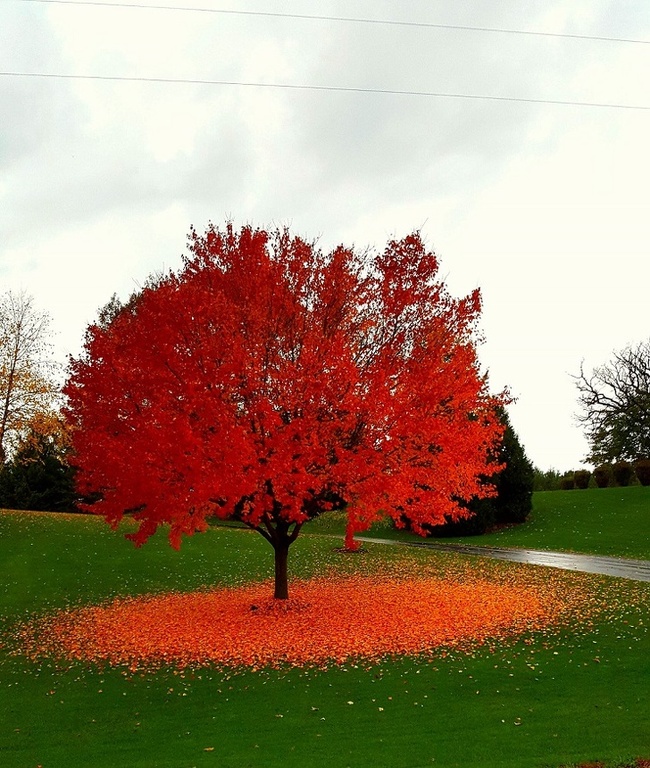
{"points": [[567, 483], [603, 475], [642, 469], [622, 472], [581, 478]]}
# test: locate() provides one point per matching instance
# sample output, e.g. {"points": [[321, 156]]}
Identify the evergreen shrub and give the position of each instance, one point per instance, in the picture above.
{"points": [[603, 475], [623, 473], [567, 483]]}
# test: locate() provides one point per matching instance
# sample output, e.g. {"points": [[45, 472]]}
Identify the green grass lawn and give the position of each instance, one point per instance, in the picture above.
{"points": [[598, 521], [555, 699]]}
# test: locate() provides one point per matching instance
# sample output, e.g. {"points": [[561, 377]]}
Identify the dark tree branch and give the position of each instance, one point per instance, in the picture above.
{"points": [[615, 405]]}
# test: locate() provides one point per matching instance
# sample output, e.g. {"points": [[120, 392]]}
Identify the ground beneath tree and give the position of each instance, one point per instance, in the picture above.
{"points": [[327, 620]]}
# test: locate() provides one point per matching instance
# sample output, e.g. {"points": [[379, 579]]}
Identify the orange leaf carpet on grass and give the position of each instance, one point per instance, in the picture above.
{"points": [[329, 620]]}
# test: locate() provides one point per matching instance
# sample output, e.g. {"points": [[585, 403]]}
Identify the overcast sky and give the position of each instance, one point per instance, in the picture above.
{"points": [[544, 206]]}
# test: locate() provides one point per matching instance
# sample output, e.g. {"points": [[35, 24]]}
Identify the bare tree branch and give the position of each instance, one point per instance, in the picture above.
{"points": [[615, 406]]}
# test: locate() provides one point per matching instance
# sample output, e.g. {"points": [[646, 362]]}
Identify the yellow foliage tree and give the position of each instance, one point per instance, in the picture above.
{"points": [[27, 386]]}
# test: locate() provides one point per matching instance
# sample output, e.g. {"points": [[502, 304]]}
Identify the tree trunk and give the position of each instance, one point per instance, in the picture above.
{"points": [[280, 534], [281, 550]]}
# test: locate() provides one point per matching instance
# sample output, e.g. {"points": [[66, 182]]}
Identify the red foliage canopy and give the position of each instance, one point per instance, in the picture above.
{"points": [[269, 381]]}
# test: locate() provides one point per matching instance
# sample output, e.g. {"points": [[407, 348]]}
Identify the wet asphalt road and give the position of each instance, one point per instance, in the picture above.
{"points": [[638, 570]]}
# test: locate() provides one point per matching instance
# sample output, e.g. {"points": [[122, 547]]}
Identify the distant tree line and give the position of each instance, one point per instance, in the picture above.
{"points": [[619, 474]]}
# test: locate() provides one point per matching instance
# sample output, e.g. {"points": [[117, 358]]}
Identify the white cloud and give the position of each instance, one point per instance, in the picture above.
{"points": [[545, 207]]}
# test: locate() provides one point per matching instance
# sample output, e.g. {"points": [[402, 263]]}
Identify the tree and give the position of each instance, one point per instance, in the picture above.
{"points": [[513, 483], [270, 382], [26, 373], [615, 403], [38, 476]]}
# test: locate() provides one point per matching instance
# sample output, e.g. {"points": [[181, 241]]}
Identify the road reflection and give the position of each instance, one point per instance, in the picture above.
{"points": [[637, 570]]}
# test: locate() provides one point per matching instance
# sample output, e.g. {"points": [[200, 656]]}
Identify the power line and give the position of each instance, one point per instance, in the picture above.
{"points": [[347, 19], [325, 88]]}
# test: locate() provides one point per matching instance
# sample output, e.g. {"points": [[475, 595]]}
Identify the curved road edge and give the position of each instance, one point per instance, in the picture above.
{"points": [[637, 570]]}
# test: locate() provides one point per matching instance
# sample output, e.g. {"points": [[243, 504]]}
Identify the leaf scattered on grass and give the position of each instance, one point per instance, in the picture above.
{"points": [[328, 620]]}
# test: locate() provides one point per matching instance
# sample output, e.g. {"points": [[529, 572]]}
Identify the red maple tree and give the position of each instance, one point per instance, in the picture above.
{"points": [[269, 382]]}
